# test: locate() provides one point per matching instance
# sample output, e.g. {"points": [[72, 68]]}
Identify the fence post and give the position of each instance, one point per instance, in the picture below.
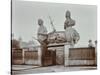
{"points": [[23, 56]]}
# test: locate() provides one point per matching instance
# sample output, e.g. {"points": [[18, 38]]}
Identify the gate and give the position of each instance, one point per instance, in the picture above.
{"points": [[49, 58], [60, 56], [59, 53], [31, 57]]}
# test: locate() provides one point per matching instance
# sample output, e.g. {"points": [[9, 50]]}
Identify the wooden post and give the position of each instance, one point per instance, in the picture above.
{"points": [[23, 56]]}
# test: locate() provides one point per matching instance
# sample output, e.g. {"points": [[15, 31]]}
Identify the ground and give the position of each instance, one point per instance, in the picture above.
{"points": [[29, 69]]}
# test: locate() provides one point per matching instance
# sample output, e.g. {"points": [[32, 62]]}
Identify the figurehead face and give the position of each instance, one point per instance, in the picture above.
{"points": [[95, 41], [90, 41], [40, 22], [68, 14]]}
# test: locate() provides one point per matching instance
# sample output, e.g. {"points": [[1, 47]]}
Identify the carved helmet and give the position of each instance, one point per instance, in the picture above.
{"points": [[68, 14], [40, 21]]}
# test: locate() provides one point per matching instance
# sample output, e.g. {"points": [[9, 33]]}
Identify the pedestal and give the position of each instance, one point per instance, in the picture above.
{"points": [[66, 54], [39, 56]]}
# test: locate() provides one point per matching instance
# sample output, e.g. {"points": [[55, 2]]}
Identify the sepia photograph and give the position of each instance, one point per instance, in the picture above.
{"points": [[52, 37]]}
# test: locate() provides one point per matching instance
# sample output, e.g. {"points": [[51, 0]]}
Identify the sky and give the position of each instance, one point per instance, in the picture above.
{"points": [[25, 15]]}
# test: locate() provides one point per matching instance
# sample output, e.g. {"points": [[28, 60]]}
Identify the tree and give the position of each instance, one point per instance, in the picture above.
{"points": [[15, 43]]}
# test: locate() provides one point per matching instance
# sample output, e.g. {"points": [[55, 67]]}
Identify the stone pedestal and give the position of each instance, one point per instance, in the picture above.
{"points": [[39, 56], [66, 54]]}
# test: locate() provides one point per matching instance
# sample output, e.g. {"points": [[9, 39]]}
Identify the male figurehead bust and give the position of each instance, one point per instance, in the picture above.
{"points": [[72, 35]]}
